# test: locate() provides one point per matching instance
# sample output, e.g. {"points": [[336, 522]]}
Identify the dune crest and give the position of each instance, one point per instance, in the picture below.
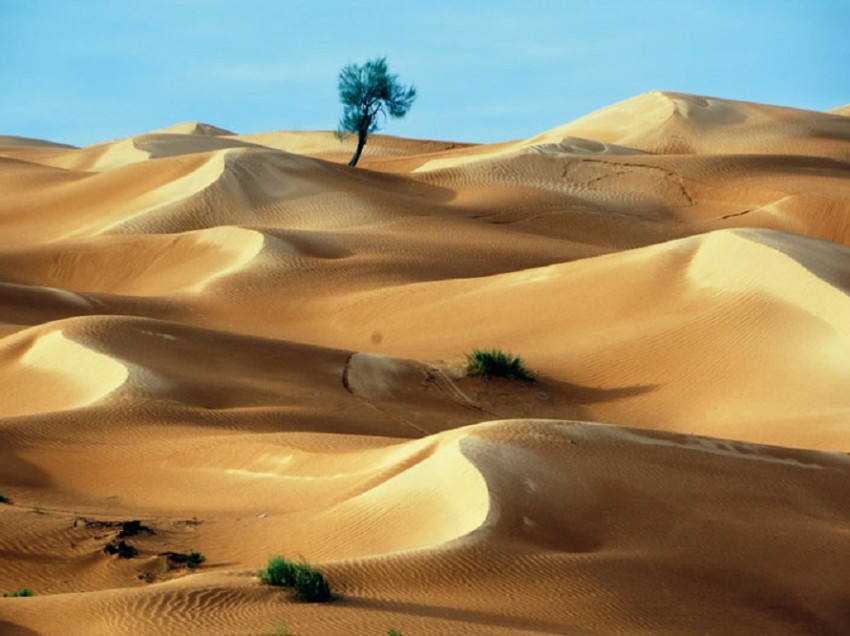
{"points": [[664, 122], [194, 128], [840, 110]]}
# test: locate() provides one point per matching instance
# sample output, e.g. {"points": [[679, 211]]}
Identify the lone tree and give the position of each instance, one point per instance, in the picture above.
{"points": [[366, 92]]}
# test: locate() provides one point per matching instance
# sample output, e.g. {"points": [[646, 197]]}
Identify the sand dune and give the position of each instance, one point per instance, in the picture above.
{"points": [[840, 110], [51, 372], [10, 140], [677, 123], [252, 349], [135, 265], [582, 545]]}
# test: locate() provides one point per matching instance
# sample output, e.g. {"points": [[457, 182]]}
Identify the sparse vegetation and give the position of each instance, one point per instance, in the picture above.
{"points": [[120, 548], [5, 500], [190, 559], [394, 632], [310, 585], [19, 593], [278, 572], [495, 363], [194, 559]]}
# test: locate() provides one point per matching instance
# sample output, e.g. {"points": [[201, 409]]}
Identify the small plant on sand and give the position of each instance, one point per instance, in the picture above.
{"points": [[495, 363], [278, 572], [310, 585], [5, 500], [190, 559], [394, 632], [19, 593], [194, 559]]}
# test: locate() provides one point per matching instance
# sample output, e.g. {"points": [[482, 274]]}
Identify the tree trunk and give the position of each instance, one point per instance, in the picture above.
{"points": [[361, 141]]}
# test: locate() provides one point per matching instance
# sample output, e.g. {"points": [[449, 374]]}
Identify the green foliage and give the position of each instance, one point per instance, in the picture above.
{"points": [[194, 559], [367, 93], [495, 363], [19, 593], [279, 572], [310, 585], [394, 632]]}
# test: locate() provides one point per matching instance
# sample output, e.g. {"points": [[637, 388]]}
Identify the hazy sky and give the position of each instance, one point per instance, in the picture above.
{"points": [[83, 71]]}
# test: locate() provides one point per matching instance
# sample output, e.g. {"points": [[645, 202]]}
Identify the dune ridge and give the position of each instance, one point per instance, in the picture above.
{"points": [[252, 349]]}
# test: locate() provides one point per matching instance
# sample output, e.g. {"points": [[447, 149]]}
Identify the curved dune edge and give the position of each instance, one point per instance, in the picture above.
{"points": [[159, 145], [52, 373], [423, 494], [573, 510], [543, 145], [701, 303], [147, 265], [175, 190], [97, 203], [200, 174], [167, 142], [14, 140], [395, 497], [239, 246]]}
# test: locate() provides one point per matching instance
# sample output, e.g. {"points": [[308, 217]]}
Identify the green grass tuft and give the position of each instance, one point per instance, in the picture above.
{"points": [[194, 559], [19, 593], [310, 585], [279, 571], [495, 363]]}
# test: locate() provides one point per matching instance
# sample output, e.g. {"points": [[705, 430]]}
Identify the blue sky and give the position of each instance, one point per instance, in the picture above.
{"points": [[84, 71]]}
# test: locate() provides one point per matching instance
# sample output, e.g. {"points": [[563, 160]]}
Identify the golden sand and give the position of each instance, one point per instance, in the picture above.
{"points": [[256, 350]]}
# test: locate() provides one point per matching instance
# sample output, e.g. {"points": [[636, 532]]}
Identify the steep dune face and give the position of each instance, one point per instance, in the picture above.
{"points": [[253, 349], [51, 372]]}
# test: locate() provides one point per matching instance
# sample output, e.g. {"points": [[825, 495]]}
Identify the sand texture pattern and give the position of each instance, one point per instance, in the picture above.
{"points": [[249, 349]]}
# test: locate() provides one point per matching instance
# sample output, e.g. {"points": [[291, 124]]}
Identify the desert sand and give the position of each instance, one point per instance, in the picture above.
{"points": [[253, 349]]}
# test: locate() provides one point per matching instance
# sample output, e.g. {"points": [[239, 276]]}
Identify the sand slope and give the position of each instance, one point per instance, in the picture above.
{"points": [[253, 349]]}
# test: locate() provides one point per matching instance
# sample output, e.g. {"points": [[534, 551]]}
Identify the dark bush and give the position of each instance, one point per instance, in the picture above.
{"points": [[495, 363], [311, 585]]}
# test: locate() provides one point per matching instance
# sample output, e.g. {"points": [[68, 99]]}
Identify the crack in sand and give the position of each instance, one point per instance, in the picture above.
{"points": [[678, 178], [734, 214]]}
